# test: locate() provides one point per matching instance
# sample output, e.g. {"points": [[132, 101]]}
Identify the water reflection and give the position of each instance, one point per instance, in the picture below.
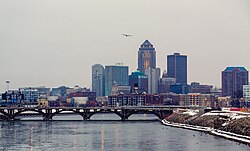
{"points": [[74, 137], [103, 139], [105, 136], [117, 136], [31, 137]]}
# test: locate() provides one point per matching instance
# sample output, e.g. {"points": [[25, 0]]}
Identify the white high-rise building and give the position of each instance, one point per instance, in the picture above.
{"points": [[154, 75]]}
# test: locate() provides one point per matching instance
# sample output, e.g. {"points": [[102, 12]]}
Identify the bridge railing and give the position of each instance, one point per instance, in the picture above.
{"points": [[121, 107]]}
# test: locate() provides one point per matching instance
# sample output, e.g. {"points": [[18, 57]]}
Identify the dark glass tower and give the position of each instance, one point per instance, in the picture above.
{"points": [[177, 67], [115, 74], [146, 56], [233, 79]]}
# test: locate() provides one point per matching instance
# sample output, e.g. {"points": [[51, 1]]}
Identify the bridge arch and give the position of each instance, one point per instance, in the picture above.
{"points": [[90, 114], [25, 110], [50, 116], [4, 115], [143, 111]]}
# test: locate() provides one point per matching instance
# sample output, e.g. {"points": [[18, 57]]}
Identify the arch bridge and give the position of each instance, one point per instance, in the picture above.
{"points": [[11, 113]]}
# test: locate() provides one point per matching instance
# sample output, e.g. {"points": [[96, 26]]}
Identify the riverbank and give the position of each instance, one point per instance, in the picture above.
{"points": [[233, 126]]}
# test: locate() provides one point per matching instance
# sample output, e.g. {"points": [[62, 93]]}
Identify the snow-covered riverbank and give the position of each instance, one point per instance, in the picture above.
{"points": [[228, 135], [230, 125]]}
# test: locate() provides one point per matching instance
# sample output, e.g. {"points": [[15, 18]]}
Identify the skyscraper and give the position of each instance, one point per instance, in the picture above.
{"points": [[233, 79], [98, 79], [146, 56], [117, 74], [177, 67], [153, 79]]}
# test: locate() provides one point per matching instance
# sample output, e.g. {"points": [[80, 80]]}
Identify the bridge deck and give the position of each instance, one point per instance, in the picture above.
{"points": [[10, 113]]}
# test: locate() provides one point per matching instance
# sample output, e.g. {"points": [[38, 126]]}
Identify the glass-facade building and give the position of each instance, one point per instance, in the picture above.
{"points": [[177, 67], [98, 79], [117, 74], [146, 56], [139, 80], [233, 79], [179, 88]]}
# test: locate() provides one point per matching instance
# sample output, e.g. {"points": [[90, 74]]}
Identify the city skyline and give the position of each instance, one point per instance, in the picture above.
{"points": [[42, 45]]}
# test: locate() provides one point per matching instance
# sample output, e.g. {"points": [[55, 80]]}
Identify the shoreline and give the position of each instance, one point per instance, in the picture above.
{"points": [[228, 135]]}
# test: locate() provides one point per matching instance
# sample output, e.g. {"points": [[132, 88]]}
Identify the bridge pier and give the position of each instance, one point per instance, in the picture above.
{"points": [[10, 114], [124, 119], [46, 118], [48, 115], [85, 114], [124, 114]]}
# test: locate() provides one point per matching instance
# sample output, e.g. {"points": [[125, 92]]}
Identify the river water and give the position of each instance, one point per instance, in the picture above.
{"points": [[99, 134]]}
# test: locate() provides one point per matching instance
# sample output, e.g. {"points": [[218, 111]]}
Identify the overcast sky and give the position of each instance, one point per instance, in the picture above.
{"points": [[55, 42]]}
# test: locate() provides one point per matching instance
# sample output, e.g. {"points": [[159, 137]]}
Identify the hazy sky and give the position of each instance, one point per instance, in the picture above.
{"points": [[55, 42]]}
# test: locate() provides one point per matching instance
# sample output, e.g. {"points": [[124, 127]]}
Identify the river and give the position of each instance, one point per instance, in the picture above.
{"points": [[103, 135]]}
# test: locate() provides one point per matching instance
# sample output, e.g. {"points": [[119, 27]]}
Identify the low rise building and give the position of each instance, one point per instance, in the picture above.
{"points": [[102, 101], [154, 100], [198, 88], [60, 91], [127, 100], [31, 94], [179, 88], [223, 101], [43, 102], [115, 90], [76, 89], [165, 82], [198, 100], [90, 95], [171, 99], [12, 97], [246, 92], [246, 95]]}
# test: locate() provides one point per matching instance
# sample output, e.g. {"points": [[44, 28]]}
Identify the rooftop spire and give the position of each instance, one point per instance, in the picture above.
{"points": [[146, 44]]}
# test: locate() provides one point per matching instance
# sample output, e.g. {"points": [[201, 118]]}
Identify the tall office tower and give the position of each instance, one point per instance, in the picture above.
{"points": [[138, 82], [233, 79], [98, 79], [177, 67], [146, 56], [153, 79], [115, 73]]}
